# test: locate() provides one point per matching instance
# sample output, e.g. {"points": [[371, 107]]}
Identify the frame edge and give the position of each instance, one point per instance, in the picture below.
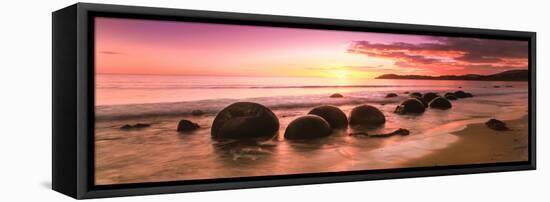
{"points": [[85, 191], [64, 145]]}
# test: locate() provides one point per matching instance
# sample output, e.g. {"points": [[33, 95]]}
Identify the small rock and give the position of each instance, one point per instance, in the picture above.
{"points": [[336, 95], [496, 86], [308, 126], [142, 125], [496, 124], [460, 94], [400, 131], [197, 112], [390, 95], [406, 92], [135, 126], [187, 126]]}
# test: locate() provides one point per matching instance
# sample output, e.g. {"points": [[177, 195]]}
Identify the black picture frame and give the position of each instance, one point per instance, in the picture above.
{"points": [[73, 100]]}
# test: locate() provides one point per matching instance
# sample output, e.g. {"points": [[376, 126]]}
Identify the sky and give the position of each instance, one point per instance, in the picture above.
{"points": [[133, 46]]}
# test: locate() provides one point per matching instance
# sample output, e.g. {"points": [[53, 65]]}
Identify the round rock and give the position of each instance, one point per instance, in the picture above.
{"points": [[428, 97], [308, 126], [245, 120], [410, 106], [390, 95], [333, 115], [187, 126], [416, 95], [460, 94], [366, 116], [197, 112], [451, 97], [496, 124], [336, 95], [440, 103]]}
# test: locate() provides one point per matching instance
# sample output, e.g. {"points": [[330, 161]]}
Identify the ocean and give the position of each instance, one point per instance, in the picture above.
{"points": [[159, 153]]}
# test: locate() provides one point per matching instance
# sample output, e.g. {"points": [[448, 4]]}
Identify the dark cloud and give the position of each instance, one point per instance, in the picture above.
{"points": [[449, 52], [477, 49]]}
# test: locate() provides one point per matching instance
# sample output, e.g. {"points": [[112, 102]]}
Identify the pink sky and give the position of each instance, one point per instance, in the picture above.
{"points": [[128, 46]]}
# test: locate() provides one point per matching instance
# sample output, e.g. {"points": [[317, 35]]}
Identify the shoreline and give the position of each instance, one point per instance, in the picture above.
{"points": [[440, 136], [211, 107], [479, 144]]}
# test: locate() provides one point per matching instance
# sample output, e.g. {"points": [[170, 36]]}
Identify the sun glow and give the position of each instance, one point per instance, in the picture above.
{"points": [[342, 74]]}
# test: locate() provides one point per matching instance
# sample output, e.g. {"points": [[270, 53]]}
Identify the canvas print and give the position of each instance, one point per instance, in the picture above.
{"points": [[178, 101]]}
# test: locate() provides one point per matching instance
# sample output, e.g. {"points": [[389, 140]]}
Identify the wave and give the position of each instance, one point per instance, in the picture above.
{"points": [[212, 106]]}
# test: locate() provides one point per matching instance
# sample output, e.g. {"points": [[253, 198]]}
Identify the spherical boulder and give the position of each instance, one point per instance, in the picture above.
{"points": [[410, 106], [245, 120], [460, 94], [440, 103], [308, 126], [187, 126], [428, 97], [416, 95], [333, 115], [390, 95], [336, 95], [366, 116], [451, 97]]}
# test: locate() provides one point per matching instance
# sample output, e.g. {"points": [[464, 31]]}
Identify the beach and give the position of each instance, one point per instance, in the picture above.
{"points": [[479, 144], [159, 152]]}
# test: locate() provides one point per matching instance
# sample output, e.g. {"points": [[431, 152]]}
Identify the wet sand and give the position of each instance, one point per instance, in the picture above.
{"points": [[479, 144], [159, 153]]}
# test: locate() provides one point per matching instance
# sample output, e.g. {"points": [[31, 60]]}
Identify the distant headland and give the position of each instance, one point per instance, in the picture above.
{"points": [[511, 75]]}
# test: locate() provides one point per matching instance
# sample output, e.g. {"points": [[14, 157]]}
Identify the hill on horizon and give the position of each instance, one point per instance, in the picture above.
{"points": [[510, 75]]}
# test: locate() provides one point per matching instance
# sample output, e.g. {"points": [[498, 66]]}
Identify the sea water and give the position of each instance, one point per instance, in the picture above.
{"points": [[160, 153]]}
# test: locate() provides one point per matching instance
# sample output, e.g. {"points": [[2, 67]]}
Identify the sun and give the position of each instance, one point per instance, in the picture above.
{"points": [[342, 74]]}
